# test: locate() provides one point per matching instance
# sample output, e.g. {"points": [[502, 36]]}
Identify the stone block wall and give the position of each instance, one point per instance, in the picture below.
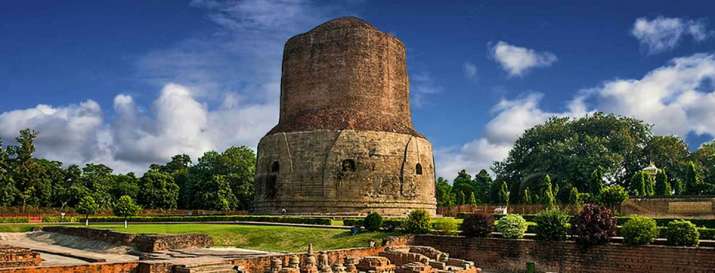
{"points": [[259, 264], [306, 172], [501, 255], [128, 267]]}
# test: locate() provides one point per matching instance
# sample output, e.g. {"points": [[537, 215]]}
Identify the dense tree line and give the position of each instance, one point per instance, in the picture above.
{"points": [[587, 159], [218, 181]]}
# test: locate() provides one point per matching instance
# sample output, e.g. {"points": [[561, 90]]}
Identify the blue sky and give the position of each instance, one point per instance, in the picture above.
{"points": [[127, 83]]}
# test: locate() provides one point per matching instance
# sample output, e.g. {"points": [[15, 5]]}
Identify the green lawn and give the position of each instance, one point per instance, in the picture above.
{"points": [[17, 227], [268, 238]]}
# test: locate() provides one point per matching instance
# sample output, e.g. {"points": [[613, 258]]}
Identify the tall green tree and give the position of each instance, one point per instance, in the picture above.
{"points": [[481, 184], [462, 186], [443, 191], [667, 152], [705, 156], [158, 190], [126, 207], [693, 179], [662, 184], [572, 149], [500, 193], [548, 198], [97, 178], [7, 184], [639, 184], [472, 199], [87, 206]]}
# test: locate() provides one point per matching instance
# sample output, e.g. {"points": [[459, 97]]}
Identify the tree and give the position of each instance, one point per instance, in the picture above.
{"points": [[526, 196], [97, 178], [574, 197], [662, 184], [443, 191], [501, 193], [461, 199], [124, 184], [472, 199], [667, 152], [482, 183], [462, 186], [70, 188], [638, 184], [547, 197], [87, 206], [158, 190], [693, 179], [572, 149], [679, 187], [25, 170], [126, 207], [705, 156], [7, 184]]}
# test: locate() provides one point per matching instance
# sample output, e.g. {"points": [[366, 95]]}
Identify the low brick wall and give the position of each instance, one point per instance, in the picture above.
{"points": [[129, 267], [501, 255], [11, 256], [142, 242]]}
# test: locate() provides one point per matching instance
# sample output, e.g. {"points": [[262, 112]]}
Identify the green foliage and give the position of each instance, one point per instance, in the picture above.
{"points": [[461, 199], [662, 185], [14, 220], [693, 179], [500, 193], [512, 226], [705, 157], [594, 225], [639, 230], [417, 222], [613, 196], [158, 190], [679, 187], [87, 206], [373, 221], [126, 207], [526, 196], [639, 184], [552, 225], [443, 191], [574, 198], [682, 233], [477, 225], [667, 152], [472, 199], [572, 149], [547, 198]]}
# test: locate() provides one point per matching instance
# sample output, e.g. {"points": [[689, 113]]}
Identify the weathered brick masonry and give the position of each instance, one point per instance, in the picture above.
{"points": [[500, 255], [344, 143], [142, 242], [11, 256]]}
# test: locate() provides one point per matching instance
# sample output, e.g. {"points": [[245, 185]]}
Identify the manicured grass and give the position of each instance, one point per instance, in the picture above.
{"points": [[268, 238]]}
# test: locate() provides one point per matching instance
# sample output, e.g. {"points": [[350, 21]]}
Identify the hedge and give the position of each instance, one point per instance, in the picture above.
{"points": [[14, 220], [212, 218]]}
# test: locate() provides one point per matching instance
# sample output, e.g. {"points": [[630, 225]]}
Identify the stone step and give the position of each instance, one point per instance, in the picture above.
{"points": [[205, 268]]}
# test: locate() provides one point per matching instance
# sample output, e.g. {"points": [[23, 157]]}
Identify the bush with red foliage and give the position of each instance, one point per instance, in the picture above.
{"points": [[477, 225], [594, 225]]}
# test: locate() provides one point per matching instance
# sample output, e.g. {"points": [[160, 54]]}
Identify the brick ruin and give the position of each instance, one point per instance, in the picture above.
{"points": [[11, 256], [398, 259], [344, 143]]}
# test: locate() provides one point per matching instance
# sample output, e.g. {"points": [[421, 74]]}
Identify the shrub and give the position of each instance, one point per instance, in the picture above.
{"points": [[477, 225], [445, 226], [594, 225], [417, 222], [639, 230], [613, 196], [373, 221], [512, 226], [552, 225], [14, 220], [682, 233]]}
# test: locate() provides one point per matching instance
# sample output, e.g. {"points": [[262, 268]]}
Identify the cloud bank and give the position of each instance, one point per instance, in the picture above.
{"points": [[663, 33]]}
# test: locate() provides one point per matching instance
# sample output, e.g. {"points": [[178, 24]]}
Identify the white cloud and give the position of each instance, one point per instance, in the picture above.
{"points": [[470, 70], [664, 33], [517, 60], [512, 118]]}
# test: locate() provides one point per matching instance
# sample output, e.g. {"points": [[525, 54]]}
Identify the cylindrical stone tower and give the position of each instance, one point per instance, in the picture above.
{"points": [[344, 143]]}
